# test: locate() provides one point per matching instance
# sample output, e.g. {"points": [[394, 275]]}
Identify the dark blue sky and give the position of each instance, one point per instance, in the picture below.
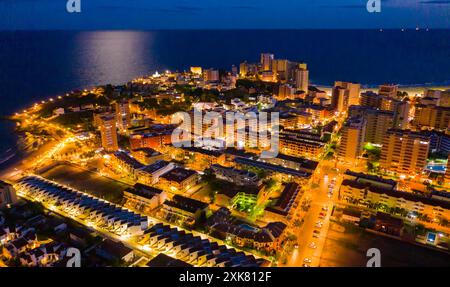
{"points": [[222, 14]]}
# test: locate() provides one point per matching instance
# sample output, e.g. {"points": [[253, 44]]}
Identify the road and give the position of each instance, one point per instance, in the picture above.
{"points": [[309, 247]]}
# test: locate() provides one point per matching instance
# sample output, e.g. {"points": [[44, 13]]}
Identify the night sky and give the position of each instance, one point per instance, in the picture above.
{"points": [[221, 14]]}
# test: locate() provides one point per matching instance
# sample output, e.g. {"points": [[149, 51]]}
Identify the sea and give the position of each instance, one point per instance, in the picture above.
{"points": [[35, 65]]}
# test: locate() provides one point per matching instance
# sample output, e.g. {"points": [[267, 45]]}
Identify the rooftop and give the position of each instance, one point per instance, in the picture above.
{"points": [[185, 203], [143, 190], [178, 174]]}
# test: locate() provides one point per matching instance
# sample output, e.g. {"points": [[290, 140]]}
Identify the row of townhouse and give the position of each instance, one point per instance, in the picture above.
{"points": [[96, 211], [197, 251]]}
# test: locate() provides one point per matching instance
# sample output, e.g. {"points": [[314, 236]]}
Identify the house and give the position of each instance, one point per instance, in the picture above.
{"points": [[151, 174], [15, 247], [179, 179], [144, 198], [283, 206], [387, 224], [184, 210], [236, 176], [147, 155]]}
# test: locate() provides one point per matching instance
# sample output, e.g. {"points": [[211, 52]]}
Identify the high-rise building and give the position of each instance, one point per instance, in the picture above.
{"points": [[123, 115], [444, 99], [432, 116], [377, 122], [370, 99], [243, 69], [266, 61], [400, 108], [196, 70], [345, 94], [302, 80], [108, 132], [281, 69], [404, 151], [211, 75], [339, 101], [388, 90], [7, 194], [401, 114], [352, 139], [285, 91]]}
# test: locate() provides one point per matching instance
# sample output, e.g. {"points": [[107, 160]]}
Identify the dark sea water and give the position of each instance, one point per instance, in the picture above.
{"points": [[36, 65]]}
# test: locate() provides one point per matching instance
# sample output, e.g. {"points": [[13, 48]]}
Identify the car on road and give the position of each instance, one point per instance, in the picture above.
{"points": [[296, 246], [312, 245], [325, 208], [307, 260], [306, 265]]}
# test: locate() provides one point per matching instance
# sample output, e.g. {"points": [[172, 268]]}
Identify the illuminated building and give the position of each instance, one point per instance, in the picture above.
{"points": [[100, 212], [237, 176], [267, 238], [404, 151], [144, 198], [352, 139], [7, 195], [147, 155], [266, 61], [283, 206], [388, 91], [293, 162], [211, 75], [345, 94], [243, 69], [281, 69], [267, 76], [151, 140], [366, 194], [285, 91], [202, 158], [302, 80], [370, 99], [197, 70], [108, 132], [297, 143], [179, 179], [123, 115], [432, 116], [184, 210], [377, 122], [151, 174]]}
